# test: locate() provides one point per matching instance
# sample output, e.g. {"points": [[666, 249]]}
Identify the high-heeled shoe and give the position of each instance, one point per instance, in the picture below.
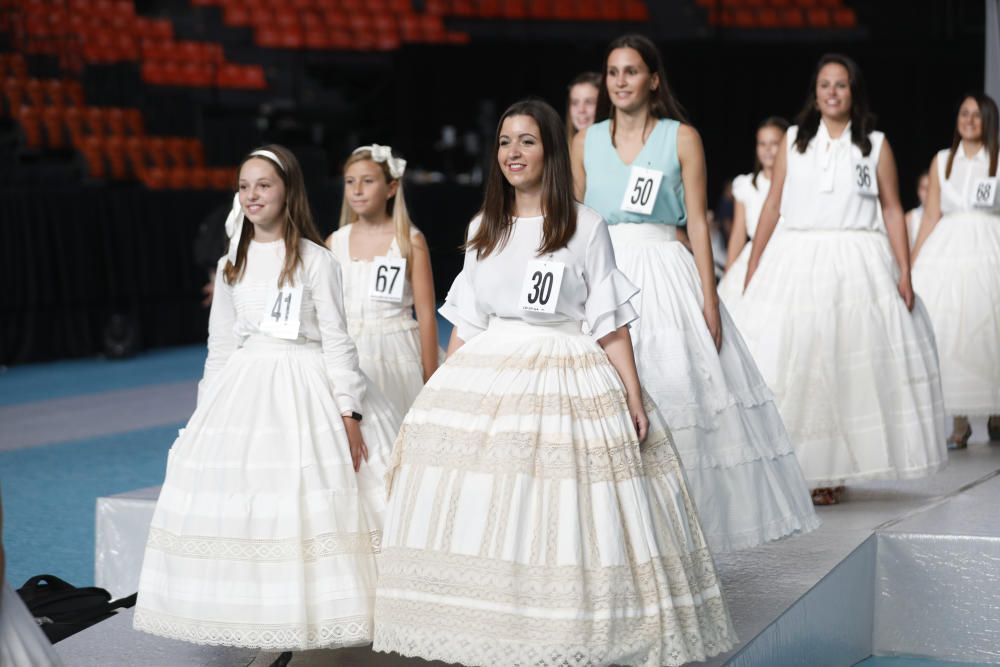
{"points": [[993, 427], [960, 440]]}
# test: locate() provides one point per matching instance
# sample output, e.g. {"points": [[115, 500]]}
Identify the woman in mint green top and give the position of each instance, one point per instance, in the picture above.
{"points": [[659, 152], [643, 169]]}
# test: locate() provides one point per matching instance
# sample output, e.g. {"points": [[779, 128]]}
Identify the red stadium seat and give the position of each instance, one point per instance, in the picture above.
{"points": [[31, 124], [94, 117], [55, 135], [35, 91], [73, 117]]}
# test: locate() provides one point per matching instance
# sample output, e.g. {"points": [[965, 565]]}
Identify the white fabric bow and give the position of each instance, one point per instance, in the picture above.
{"points": [[397, 165], [234, 227]]}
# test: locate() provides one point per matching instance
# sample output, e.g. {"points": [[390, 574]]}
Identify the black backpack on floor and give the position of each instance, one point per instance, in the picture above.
{"points": [[61, 609]]}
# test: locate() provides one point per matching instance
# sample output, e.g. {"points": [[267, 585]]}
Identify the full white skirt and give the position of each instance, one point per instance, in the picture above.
{"points": [[746, 482], [731, 285], [389, 353], [21, 640], [263, 534], [854, 373], [526, 524], [957, 275]]}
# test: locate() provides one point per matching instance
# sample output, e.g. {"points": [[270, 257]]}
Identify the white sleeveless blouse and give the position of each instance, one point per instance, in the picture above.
{"points": [[752, 197], [819, 191], [956, 191]]}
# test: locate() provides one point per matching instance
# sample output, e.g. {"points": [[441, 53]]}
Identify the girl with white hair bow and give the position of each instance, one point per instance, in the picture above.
{"points": [[387, 277]]}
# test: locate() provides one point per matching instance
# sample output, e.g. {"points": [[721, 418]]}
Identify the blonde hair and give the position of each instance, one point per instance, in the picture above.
{"points": [[395, 206]]}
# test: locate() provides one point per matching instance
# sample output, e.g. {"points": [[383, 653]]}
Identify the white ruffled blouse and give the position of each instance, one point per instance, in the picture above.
{"points": [[593, 290]]}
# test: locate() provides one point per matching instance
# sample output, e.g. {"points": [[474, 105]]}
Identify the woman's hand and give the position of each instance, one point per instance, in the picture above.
{"points": [[714, 323], [639, 419], [906, 291], [359, 450]]}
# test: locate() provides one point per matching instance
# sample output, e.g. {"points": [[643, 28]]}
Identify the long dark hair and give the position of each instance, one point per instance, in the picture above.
{"points": [[989, 120], [662, 103], [862, 119], [771, 121], [558, 205], [298, 217]]}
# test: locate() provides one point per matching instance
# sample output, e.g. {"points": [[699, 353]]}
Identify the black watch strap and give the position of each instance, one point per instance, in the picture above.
{"points": [[356, 416]]}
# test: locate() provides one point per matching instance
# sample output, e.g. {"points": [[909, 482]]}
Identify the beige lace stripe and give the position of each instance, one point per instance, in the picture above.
{"points": [[604, 458], [265, 551]]}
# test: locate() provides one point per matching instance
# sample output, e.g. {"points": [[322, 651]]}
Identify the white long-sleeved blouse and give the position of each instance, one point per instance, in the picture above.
{"points": [[237, 310], [593, 290]]}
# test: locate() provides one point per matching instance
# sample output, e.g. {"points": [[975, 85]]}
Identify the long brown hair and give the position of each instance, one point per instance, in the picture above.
{"points": [[592, 78], [558, 205], [395, 206], [776, 122], [298, 217], [862, 119], [988, 118], [662, 103]]}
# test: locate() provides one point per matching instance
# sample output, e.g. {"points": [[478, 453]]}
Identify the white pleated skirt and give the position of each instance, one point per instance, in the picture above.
{"points": [[731, 285], [855, 374], [22, 642], [526, 524], [746, 482], [389, 354], [263, 535], [957, 275]]}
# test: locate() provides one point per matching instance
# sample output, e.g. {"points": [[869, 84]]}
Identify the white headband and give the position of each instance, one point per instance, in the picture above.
{"points": [[234, 221], [270, 156], [397, 165]]}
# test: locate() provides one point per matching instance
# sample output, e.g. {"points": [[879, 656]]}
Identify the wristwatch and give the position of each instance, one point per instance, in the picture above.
{"points": [[356, 416]]}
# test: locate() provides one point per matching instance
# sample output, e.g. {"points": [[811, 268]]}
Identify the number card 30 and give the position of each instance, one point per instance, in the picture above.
{"points": [[540, 289]]}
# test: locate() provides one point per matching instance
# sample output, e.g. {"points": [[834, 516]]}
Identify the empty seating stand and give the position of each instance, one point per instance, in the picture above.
{"points": [[779, 14]]}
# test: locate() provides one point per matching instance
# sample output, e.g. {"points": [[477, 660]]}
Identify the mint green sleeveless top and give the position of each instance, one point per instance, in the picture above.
{"points": [[607, 175]]}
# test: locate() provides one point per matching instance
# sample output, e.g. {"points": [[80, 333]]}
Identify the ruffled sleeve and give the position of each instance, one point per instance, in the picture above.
{"points": [[743, 188], [608, 306], [461, 307]]}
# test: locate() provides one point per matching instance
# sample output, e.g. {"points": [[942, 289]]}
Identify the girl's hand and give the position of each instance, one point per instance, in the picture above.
{"points": [[714, 323], [906, 291], [639, 419], [356, 442]]}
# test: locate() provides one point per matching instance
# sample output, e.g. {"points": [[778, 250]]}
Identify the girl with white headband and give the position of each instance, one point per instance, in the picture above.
{"points": [[270, 516], [387, 276]]}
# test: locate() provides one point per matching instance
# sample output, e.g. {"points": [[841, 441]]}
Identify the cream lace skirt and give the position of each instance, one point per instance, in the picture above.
{"points": [[527, 526]]}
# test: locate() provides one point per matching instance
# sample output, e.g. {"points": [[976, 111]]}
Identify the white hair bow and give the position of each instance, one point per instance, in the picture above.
{"points": [[234, 227], [397, 165]]}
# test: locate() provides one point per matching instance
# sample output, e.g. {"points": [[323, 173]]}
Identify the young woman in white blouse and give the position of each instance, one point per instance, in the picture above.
{"points": [[387, 277], [749, 192], [538, 510], [827, 311], [957, 267], [270, 516]]}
